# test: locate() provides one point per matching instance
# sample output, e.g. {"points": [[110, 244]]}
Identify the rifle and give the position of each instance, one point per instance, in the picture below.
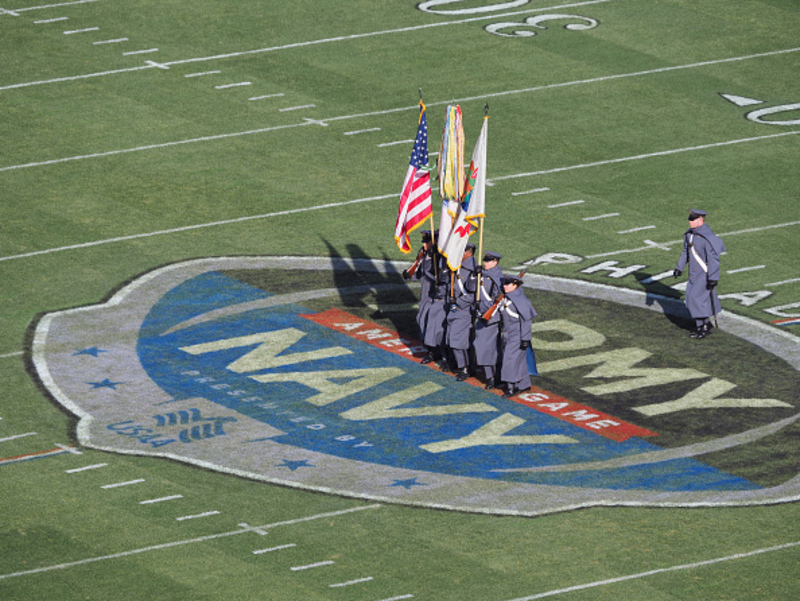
{"points": [[493, 309], [409, 273]]}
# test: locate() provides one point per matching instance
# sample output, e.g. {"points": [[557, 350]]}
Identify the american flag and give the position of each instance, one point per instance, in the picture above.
{"points": [[415, 199]]}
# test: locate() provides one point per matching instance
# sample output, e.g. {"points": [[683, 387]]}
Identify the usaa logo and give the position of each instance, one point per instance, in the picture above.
{"points": [[305, 372]]}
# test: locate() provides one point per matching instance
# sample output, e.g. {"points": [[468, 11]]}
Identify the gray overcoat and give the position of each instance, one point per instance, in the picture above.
{"points": [[701, 251], [517, 316]]}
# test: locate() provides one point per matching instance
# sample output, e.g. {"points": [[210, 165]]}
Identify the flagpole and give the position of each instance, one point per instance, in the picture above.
{"points": [[480, 237]]}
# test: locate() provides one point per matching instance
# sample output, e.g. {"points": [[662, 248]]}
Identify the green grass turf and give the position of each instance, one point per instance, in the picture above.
{"points": [[616, 107]]}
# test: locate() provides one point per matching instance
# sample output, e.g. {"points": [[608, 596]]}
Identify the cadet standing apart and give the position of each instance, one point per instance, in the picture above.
{"points": [[701, 251], [459, 316], [487, 333], [517, 314]]}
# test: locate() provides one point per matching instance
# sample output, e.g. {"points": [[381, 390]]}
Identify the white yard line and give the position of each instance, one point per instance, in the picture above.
{"points": [[41, 7], [160, 499], [405, 30], [741, 269], [566, 204], [648, 155], [197, 516], [180, 543], [686, 566], [350, 582], [311, 566], [16, 436], [94, 466], [202, 74], [534, 191], [271, 549], [114, 41], [9, 355], [781, 283], [199, 226], [85, 30], [604, 216], [120, 484], [649, 244], [637, 229]]}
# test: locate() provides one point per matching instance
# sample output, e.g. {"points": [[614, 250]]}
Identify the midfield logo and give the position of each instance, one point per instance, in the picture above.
{"points": [[195, 363]]}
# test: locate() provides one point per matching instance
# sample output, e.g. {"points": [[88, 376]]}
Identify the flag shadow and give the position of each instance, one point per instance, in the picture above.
{"points": [[374, 287]]}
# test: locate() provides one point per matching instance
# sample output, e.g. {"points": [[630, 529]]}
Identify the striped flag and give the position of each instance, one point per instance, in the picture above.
{"points": [[415, 199]]}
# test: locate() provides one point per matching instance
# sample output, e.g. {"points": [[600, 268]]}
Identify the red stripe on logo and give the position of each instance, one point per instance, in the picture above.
{"points": [[546, 402]]}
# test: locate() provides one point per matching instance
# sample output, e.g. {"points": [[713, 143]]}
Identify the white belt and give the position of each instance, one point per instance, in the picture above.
{"points": [[506, 307], [697, 258]]}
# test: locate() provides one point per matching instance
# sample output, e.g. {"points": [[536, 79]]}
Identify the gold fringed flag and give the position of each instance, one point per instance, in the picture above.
{"points": [[451, 171], [473, 204]]}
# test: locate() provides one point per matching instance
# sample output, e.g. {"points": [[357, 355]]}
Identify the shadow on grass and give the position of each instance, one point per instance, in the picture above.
{"points": [[667, 298], [385, 295]]}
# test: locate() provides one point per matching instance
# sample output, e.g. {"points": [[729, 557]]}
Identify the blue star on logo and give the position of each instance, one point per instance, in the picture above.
{"points": [[93, 351], [408, 483], [293, 465], [105, 384]]}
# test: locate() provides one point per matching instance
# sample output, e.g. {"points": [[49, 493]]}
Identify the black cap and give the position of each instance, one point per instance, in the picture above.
{"points": [[696, 213], [470, 247], [426, 235], [511, 279], [491, 256]]}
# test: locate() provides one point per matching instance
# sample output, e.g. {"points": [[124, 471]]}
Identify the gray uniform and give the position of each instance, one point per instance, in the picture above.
{"points": [[425, 292], [459, 317], [487, 333], [517, 315], [701, 251], [435, 316]]}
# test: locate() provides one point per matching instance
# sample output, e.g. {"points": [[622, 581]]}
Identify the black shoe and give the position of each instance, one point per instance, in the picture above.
{"points": [[512, 391], [444, 365], [490, 384], [427, 359], [702, 331], [462, 374]]}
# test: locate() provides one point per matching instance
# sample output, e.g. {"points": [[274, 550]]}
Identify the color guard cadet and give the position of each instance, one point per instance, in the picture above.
{"points": [[487, 332], [701, 251], [422, 264], [435, 279], [517, 315], [461, 303]]}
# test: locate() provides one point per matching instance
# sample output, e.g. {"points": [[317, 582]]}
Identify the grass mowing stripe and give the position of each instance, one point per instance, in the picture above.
{"points": [[647, 155], [650, 244], [180, 543], [197, 226], [301, 44], [686, 566]]}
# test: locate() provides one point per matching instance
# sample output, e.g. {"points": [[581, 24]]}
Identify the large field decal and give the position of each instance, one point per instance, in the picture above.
{"points": [[306, 373]]}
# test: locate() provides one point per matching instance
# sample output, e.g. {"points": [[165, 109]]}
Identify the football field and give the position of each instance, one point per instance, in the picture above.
{"points": [[197, 207]]}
